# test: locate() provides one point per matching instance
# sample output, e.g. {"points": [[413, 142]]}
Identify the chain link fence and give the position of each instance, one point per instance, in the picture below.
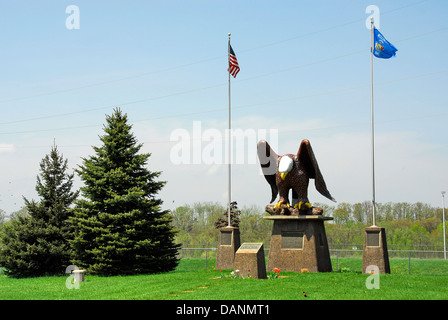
{"points": [[401, 259]]}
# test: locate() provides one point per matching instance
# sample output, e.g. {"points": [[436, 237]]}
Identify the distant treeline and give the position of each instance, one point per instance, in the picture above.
{"points": [[408, 226]]}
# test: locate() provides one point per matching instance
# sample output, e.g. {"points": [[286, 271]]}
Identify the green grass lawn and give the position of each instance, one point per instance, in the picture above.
{"points": [[190, 281]]}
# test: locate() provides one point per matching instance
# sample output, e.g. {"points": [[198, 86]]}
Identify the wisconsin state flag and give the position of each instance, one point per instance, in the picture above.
{"points": [[381, 47]]}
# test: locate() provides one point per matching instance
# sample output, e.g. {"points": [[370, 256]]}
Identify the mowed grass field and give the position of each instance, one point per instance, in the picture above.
{"points": [[190, 281]]}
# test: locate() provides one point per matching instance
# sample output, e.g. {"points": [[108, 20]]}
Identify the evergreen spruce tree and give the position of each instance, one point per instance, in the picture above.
{"points": [[37, 244], [119, 225]]}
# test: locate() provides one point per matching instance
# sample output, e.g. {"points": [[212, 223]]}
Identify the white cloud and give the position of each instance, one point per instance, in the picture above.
{"points": [[7, 147], [408, 168], [405, 168]]}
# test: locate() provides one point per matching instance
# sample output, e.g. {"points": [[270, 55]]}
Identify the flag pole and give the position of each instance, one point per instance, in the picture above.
{"points": [[371, 120], [229, 158]]}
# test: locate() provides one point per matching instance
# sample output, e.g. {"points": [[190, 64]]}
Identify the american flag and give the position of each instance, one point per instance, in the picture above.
{"points": [[233, 63]]}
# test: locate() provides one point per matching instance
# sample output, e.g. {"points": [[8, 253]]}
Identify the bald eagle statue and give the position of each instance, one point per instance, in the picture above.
{"points": [[289, 171]]}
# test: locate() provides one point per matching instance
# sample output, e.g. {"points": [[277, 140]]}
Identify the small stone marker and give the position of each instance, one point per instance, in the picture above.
{"points": [[250, 261], [79, 275]]}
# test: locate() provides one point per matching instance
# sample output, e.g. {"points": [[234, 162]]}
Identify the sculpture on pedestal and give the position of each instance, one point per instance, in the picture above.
{"points": [[298, 240], [291, 172]]}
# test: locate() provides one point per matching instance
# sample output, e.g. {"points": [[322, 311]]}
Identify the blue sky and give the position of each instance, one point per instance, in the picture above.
{"points": [[305, 71]]}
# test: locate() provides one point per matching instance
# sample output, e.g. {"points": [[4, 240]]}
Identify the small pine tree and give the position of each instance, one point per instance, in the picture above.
{"points": [[119, 225], [37, 244]]}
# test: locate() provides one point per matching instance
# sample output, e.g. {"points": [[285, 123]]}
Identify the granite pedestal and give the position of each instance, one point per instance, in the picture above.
{"points": [[228, 244], [299, 243], [375, 250]]}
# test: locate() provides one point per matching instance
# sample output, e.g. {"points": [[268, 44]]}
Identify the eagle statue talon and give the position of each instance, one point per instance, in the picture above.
{"points": [[277, 205], [289, 171], [305, 203]]}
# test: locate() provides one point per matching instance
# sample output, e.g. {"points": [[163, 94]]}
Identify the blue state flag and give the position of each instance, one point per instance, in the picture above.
{"points": [[381, 47]]}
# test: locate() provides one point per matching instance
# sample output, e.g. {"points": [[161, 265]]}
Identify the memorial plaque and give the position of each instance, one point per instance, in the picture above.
{"points": [[373, 239], [251, 246], [250, 261], [292, 240], [226, 238], [292, 226]]}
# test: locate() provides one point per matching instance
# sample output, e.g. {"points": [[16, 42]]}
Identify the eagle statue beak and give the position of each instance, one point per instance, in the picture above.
{"points": [[283, 175]]}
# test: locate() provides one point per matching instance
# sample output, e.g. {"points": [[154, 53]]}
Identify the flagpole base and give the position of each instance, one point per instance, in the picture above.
{"points": [[375, 251], [229, 242]]}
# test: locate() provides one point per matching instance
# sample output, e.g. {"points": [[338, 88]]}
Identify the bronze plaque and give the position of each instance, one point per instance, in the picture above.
{"points": [[226, 238], [292, 240], [373, 239], [292, 226], [251, 246]]}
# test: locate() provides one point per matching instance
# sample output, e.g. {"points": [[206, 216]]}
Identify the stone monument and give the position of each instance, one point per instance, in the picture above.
{"points": [[298, 240], [229, 237], [375, 250], [250, 261], [228, 244]]}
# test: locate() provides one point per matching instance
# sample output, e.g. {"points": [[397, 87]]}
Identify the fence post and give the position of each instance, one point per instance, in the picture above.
{"points": [[409, 261], [206, 253], [337, 260]]}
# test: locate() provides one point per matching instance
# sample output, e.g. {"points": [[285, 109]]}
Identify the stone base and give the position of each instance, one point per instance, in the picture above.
{"points": [[299, 243], [249, 260], [375, 250], [228, 244]]}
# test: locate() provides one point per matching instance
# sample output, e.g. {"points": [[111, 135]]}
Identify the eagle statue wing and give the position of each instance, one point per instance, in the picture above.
{"points": [[269, 163], [307, 158]]}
